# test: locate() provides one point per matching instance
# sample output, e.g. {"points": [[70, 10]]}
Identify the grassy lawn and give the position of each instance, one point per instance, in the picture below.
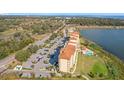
{"points": [[99, 68], [80, 66], [104, 66], [87, 64], [39, 37], [26, 68]]}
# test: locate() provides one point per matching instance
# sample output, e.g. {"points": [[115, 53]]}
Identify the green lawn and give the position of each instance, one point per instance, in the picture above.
{"points": [[104, 66], [79, 68], [99, 68], [87, 64]]}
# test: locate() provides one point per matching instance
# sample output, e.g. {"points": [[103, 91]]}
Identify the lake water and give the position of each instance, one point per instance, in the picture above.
{"points": [[111, 40]]}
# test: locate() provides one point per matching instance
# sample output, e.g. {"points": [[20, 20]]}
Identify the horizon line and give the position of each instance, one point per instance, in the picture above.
{"points": [[67, 14]]}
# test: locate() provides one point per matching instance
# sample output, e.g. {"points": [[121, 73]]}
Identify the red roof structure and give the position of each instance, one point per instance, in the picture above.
{"points": [[67, 52]]}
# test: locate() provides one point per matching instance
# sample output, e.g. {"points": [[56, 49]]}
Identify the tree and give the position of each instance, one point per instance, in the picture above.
{"points": [[32, 48], [3, 54], [22, 55], [2, 28]]}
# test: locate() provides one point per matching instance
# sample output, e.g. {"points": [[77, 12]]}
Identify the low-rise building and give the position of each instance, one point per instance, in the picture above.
{"points": [[87, 52]]}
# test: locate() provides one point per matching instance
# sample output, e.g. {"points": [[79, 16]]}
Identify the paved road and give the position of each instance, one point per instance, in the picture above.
{"points": [[85, 77], [40, 42], [7, 60]]}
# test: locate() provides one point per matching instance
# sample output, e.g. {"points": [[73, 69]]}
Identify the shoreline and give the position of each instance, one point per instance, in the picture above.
{"points": [[102, 48], [120, 58], [113, 63], [99, 27]]}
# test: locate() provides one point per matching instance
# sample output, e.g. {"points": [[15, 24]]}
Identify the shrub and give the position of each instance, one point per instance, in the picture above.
{"points": [[32, 48], [22, 55]]}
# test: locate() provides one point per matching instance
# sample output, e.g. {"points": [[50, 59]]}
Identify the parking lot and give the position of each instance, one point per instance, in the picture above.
{"points": [[43, 61]]}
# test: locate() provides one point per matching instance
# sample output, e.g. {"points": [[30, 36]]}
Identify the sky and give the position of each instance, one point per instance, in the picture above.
{"points": [[70, 14], [61, 6]]}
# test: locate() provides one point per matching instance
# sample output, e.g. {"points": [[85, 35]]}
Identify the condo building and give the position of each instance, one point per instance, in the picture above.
{"points": [[68, 55]]}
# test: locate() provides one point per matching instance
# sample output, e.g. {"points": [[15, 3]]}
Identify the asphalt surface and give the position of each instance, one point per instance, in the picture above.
{"points": [[7, 60], [41, 56]]}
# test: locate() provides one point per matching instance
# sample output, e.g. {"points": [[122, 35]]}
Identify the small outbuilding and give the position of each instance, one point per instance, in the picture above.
{"points": [[18, 68], [87, 52]]}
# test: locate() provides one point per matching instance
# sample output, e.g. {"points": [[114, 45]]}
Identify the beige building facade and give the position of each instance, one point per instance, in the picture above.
{"points": [[68, 55]]}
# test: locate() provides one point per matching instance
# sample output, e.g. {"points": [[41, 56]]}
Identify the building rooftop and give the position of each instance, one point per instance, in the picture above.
{"points": [[74, 34], [73, 38], [71, 42], [67, 52]]}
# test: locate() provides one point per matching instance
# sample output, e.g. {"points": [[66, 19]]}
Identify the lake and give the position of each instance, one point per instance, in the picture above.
{"points": [[111, 40]]}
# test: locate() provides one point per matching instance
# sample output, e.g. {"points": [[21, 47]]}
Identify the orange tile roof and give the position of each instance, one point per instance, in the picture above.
{"points": [[73, 38], [72, 42], [67, 52], [75, 34]]}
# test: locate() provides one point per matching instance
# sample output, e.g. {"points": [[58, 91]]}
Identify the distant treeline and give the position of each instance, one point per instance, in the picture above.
{"points": [[95, 21], [31, 24], [23, 29]]}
